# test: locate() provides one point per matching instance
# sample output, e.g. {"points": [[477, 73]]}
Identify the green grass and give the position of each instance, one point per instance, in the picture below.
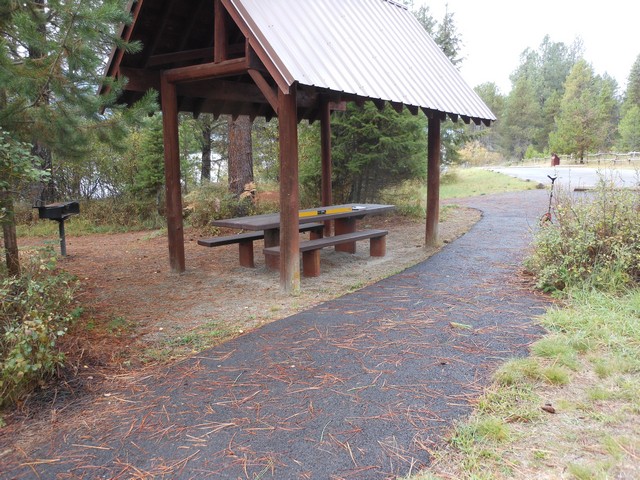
{"points": [[410, 198], [74, 226], [587, 366], [195, 340], [472, 182]]}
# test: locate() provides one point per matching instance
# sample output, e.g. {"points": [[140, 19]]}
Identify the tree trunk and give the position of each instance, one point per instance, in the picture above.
{"points": [[9, 233], [240, 154], [205, 172], [47, 189]]}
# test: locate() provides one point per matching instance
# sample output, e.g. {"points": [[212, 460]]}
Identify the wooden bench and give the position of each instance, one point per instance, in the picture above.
{"points": [[245, 241], [311, 248]]}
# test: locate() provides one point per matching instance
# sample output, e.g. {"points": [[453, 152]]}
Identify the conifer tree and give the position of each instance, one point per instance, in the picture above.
{"points": [[629, 128], [632, 94], [52, 54], [585, 113]]}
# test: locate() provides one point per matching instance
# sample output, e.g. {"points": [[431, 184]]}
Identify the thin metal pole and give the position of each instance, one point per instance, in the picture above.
{"points": [[63, 240]]}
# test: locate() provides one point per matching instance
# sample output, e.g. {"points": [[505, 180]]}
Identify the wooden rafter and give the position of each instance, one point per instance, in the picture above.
{"points": [[180, 56], [203, 71], [159, 32], [270, 93], [221, 38]]}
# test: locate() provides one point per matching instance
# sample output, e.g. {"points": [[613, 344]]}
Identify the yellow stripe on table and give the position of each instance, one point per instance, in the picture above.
{"points": [[328, 211]]}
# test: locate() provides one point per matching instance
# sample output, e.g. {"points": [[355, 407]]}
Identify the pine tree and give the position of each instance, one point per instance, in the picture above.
{"points": [[148, 181], [522, 114], [545, 70], [632, 94], [448, 38], [629, 129], [52, 54], [374, 149], [584, 117]]}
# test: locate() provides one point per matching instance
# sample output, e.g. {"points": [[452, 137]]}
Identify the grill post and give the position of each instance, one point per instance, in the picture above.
{"points": [[63, 240]]}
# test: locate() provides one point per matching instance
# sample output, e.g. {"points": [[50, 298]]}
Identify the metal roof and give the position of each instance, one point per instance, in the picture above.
{"points": [[342, 50], [368, 48]]}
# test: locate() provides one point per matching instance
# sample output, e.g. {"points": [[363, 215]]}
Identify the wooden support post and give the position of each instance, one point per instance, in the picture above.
{"points": [[378, 246], [245, 251], [220, 43], [172, 175], [433, 182], [289, 195], [325, 153], [344, 226]]}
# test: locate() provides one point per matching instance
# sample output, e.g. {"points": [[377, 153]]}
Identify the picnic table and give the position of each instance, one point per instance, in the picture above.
{"points": [[344, 216]]}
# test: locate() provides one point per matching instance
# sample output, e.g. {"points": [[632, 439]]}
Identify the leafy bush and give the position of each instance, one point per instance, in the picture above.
{"points": [[593, 240], [35, 311], [214, 201]]}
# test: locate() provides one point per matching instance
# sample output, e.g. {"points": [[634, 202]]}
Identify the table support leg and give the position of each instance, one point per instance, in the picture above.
{"points": [[345, 225], [272, 239]]}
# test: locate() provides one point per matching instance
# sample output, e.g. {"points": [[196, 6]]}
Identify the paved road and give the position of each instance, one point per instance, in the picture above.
{"points": [[573, 177], [358, 388]]}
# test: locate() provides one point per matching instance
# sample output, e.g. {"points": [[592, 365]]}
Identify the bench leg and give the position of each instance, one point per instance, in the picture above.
{"points": [[342, 226], [378, 246], [272, 239], [311, 263], [315, 234], [246, 254]]}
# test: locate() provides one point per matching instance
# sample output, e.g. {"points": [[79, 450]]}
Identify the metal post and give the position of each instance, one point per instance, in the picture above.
{"points": [[63, 240]]}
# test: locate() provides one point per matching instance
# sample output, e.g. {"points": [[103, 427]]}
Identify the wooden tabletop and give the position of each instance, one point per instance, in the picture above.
{"points": [[272, 220]]}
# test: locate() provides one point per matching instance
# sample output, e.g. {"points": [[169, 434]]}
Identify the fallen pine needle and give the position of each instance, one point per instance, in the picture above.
{"points": [[39, 462], [90, 446]]}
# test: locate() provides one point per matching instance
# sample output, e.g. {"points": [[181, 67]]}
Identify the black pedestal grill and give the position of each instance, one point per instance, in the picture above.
{"points": [[59, 212]]}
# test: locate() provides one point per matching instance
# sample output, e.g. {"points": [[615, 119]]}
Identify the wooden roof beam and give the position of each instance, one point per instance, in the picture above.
{"points": [[190, 55], [195, 16], [221, 38], [270, 93], [437, 114], [222, 90], [140, 80], [185, 56], [379, 103], [203, 71], [398, 107], [159, 32], [113, 68], [413, 109]]}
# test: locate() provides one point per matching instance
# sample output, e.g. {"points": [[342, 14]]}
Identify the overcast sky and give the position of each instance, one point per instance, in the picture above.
{"points": [[496, 32]]}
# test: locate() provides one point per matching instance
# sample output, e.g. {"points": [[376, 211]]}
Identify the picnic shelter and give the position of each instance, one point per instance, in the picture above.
{"points": [[294, 60]]}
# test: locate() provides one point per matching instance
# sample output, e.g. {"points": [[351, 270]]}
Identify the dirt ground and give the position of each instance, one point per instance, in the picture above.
{"points": [[137, 310], [138, 315]]}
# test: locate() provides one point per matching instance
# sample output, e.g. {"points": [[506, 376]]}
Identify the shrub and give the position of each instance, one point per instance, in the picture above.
{"points": [[121, 213], [593, 239], [35, 311], [214, 201]]}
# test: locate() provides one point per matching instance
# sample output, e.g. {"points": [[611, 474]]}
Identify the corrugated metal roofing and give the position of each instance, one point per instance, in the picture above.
{"points": [[369, 48]]}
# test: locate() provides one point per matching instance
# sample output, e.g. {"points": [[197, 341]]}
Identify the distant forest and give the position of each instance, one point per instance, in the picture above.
{"points": [[52, 65]]}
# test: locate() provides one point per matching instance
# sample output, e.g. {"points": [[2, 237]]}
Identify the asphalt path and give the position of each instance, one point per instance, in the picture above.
{"points": [[574, 177], [362, 387]]}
